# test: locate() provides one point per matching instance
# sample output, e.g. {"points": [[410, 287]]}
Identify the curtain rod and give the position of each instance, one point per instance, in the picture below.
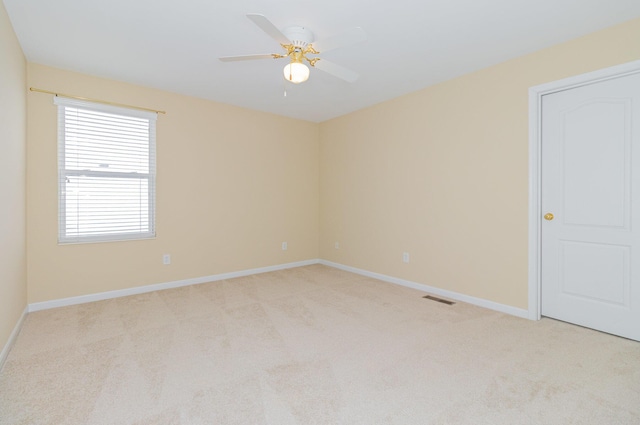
{"points": [[96, 100]]}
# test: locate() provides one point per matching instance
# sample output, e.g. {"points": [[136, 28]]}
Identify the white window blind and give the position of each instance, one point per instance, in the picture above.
{"points": [[106, 172]]}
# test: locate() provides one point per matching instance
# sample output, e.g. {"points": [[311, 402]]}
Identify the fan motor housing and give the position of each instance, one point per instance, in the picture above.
{"points": [[299, 36]]}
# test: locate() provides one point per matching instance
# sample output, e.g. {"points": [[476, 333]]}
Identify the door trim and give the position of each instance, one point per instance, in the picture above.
{"points": [[535, 143]]}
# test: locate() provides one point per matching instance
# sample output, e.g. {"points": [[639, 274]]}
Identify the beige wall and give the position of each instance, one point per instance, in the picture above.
{"points": [[232, 185], [13, 276], [443, 173]]}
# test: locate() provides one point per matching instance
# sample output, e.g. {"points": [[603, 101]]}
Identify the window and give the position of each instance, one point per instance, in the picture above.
{"points": [[106, 172]]}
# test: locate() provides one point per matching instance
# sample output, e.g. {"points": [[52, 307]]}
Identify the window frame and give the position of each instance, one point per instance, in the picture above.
{"points": [[63, 173]]}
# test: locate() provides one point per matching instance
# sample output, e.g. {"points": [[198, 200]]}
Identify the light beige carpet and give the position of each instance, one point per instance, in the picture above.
{"points": [[312, 345]]}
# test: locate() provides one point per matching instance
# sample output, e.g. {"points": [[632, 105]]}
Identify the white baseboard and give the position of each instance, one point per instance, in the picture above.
{"points": [[213, 278], [45, 305], [12, 338], [491, 305]]}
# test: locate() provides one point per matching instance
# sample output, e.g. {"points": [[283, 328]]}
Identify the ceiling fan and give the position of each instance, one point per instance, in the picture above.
{"points": [[298, 42]]}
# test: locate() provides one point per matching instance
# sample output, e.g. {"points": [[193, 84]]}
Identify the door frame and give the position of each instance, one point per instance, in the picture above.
{"points": [[535, 164]]}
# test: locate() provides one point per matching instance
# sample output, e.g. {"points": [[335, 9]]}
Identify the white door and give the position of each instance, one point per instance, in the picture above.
{"points": [[590, 259]]}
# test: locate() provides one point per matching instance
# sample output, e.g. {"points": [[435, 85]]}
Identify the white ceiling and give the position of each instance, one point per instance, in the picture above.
{"points": [[412, 44]]}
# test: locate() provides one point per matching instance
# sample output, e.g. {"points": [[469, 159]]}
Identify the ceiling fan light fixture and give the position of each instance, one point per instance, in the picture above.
{"points": [[296, 72]]}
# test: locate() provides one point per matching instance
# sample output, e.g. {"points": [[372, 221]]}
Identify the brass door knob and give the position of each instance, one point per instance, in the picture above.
{"points": [[548, 216]]}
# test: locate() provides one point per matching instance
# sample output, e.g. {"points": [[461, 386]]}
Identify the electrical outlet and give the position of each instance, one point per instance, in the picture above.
{"points": [[337, 245], [284, 246], [166, 259], [405, 257]]}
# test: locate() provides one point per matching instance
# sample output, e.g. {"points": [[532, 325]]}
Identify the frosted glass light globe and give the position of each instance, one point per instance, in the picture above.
{"points": [[296, 72]]}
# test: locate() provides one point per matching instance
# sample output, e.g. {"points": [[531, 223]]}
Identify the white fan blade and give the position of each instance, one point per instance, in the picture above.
{"points": [[245, 57], [337, 71], [268, 27], [347, 38]]}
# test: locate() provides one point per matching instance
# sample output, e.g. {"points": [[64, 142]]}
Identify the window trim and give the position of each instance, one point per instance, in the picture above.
{"points": [[63, 239]]}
